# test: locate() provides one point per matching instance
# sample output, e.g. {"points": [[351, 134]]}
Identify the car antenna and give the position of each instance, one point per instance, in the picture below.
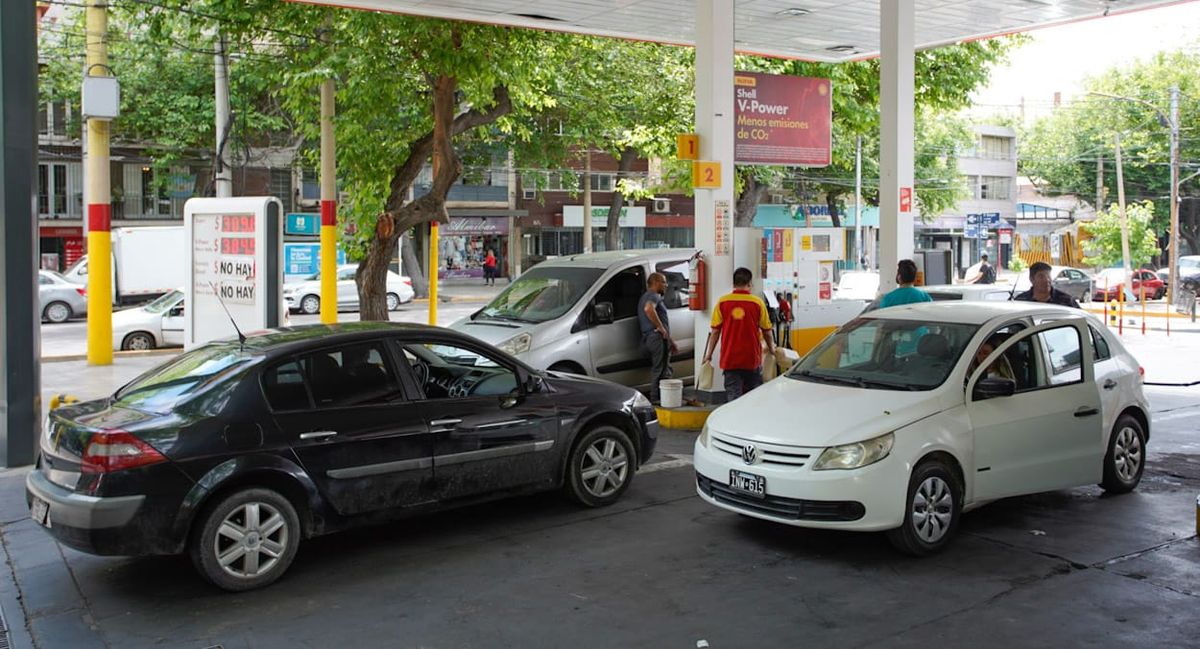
{"points": [[241, 336]]}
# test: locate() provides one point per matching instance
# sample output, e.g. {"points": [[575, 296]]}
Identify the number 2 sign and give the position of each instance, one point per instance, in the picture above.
{"points": [[706, 175]]}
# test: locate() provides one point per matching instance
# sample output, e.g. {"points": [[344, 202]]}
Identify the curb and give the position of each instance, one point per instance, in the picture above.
{"points": [[169, 351]]}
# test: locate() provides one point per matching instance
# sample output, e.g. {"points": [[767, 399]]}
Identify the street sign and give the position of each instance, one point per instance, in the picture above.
{"points": [[971, 230], [990, 219], [303, 224], [972, 219]]}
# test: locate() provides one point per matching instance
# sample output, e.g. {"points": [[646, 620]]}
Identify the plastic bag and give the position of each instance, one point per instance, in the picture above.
{"points": [[769, 367], [704, 379]]}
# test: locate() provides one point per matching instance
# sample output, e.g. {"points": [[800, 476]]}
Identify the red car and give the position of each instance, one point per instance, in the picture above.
{"points": [[1146, 283]]}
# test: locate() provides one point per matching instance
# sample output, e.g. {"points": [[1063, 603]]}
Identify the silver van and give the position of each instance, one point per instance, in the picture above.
{"points": [[578, 314]]}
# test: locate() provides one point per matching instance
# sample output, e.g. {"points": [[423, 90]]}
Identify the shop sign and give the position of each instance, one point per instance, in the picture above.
{"points": [[782, 120], [475, 226], [303, 259], [631, 217], [812, 216], [302, 225]]}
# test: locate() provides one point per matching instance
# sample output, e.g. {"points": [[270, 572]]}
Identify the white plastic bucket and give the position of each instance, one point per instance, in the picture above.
{"points": [[671, 391]]}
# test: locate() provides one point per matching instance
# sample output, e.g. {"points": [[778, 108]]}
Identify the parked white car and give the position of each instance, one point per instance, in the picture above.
{"points": [[305, 296], [157, 324], [893, 424]]}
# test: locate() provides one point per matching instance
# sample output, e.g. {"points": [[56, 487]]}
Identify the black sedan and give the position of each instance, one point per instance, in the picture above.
{"points": [[234, 452]]}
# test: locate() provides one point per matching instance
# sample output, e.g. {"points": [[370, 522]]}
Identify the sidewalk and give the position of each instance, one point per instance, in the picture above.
{"points": [[467, 290]]}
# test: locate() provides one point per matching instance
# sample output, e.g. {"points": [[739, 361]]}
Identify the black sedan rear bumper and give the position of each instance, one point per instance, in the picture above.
{"points": [[96, 525]]}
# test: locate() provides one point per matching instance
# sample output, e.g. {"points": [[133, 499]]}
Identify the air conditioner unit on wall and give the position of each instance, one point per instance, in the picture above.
{"points": [[662, 206], [528, 194]]}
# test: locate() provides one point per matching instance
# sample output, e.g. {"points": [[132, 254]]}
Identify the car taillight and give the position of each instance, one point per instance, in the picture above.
{"points": [[408, 281], [117, 450], [82, 292], [1141, 372]]}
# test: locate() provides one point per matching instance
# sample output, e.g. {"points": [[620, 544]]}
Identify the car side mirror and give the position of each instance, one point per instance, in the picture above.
{"points": [[990, 388], [603, 312], [176, 312]]}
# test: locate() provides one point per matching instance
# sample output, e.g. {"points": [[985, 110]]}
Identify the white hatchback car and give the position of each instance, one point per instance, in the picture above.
{"points": [[894, 424]]}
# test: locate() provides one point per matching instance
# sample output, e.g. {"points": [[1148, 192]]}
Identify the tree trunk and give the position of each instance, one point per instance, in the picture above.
{"points": [[612, 232], [831, 201], [1189, 227], [752, 194], [411, 266], [399, 216]]}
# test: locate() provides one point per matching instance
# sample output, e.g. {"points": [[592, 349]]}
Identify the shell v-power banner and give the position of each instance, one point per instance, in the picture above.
{"points": [[782, 120]]}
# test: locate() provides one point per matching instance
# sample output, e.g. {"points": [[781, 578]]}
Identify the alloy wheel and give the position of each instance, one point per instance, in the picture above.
{"points": [[251, 540], [605, 466], [58, 312], [393, 301], [1127, 454], [139, 342], [311, 304], [932, 509]]}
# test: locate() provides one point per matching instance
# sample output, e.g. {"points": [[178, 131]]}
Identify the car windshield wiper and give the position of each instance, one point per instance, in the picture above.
{"points": [[824, 378], [857, 381], [505, 318]]}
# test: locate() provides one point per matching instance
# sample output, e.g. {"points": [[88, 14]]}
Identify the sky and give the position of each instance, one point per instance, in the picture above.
{"points": [[1057, 59]]}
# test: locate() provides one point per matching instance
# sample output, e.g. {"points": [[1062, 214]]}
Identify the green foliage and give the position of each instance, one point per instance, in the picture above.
{"points": [[1060, 151], [1017, 265], [1103, 249]]}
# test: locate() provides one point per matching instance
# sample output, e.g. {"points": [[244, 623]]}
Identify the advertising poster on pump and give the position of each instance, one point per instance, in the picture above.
{"points": [[782, 120]]}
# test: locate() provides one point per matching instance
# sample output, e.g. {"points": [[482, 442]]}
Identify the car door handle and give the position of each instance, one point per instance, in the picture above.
{"points": [[443, 425], [1087, 412], [318, 434], [1110, 384]]}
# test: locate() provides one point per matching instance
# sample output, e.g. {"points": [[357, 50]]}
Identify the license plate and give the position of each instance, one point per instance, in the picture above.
{"points": [[39, 511], [755, 485]]}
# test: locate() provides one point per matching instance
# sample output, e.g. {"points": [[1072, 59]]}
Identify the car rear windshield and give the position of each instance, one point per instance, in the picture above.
{"points": [[163, 388], [887, 354], [544, 293]]}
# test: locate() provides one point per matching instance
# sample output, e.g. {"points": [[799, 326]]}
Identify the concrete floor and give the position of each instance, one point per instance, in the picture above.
{"points": [[661, 569]]}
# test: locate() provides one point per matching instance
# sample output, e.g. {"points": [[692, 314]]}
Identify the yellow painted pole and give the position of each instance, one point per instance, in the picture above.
{"points": [[329, 313], [433, 272], [99, 208]]}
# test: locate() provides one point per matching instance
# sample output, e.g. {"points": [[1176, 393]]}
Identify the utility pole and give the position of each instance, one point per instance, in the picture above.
{"points": [[858, 238], [99, 207], [1124, 219], [587, 200], [1173, 262], [1099, 183], [222, 173]]}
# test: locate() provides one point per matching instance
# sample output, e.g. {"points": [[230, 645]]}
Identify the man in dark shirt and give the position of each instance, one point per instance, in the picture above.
{"points": [[986, 273], [656, 331], [1043, 288]]}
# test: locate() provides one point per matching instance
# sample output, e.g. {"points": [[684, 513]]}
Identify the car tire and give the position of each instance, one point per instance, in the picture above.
{"points": [[924, 533], [310, 304], [393, 302], [1158, 295], [600, 467], [57, 312], [261, 555], [1126, 457], [1085, 297], [138, 341]]}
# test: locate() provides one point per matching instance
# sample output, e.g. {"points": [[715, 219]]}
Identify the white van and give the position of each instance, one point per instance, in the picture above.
{"points": [[578, 314]]}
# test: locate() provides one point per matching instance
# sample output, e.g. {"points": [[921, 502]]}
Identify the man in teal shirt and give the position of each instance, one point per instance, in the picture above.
{"points": [[906, 293]]}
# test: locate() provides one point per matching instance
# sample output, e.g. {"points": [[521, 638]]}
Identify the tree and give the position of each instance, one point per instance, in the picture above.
{"points": [[1104, 245], [1060, 151]]}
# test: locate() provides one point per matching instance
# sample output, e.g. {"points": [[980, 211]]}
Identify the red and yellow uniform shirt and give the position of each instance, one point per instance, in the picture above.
{"points": [[741, 317]]}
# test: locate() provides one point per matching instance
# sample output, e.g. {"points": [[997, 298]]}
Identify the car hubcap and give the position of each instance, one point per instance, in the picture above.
{"points": [[251, 540], [1127, 454], [58, 312], [932, 510], [393, 302], [604, 467], [139, 343], [311, 305]]}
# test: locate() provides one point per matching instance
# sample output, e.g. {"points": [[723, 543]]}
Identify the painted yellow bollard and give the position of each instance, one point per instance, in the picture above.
{"points": [[1113, 312]]}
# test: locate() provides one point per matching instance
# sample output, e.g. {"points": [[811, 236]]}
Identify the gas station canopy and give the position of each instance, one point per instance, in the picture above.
{"points": [[816, 30]]}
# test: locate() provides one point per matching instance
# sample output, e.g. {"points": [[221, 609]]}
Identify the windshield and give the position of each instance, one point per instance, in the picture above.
{"points": [[543, 293], [1189, 262], [165, 302], [883, 354], [162, 389]]}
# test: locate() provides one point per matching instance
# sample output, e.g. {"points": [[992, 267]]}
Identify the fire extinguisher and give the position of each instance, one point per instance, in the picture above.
{"points": [[696, 283]]}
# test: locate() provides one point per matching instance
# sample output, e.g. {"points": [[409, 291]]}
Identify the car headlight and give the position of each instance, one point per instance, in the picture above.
{"points": [[704, 436], [517, 344], [856, 455], [640, 401]]}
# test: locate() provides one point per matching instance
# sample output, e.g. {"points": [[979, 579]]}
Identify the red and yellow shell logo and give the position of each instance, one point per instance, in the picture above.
{"points": [[738, 313]]}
